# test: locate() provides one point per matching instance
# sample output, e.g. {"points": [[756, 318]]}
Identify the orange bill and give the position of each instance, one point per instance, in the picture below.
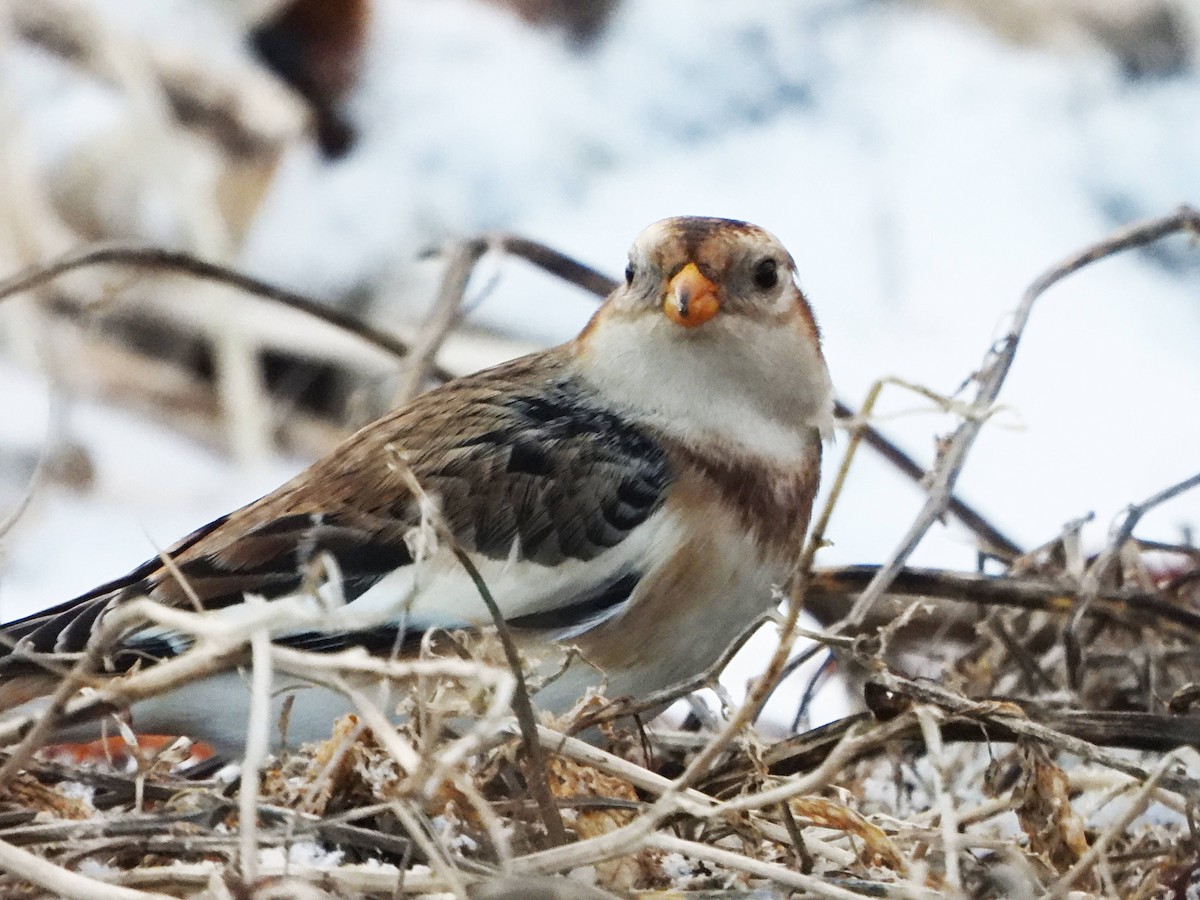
{"points": [[691, 298]]}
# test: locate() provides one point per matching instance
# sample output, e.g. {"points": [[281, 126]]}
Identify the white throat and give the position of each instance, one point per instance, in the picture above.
{"points": [[761, 387]]}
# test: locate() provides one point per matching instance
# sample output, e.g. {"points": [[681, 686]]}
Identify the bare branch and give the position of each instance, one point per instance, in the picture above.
{"points": [[157, 259], [460, 263], [61, 882], [1099, 570], [990, 379]]}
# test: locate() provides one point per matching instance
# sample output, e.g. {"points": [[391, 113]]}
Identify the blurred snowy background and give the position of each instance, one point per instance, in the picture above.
{"points": [[924, 161]]}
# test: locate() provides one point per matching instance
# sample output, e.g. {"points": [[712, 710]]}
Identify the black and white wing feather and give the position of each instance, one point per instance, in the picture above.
{"points": [[527, 469]]}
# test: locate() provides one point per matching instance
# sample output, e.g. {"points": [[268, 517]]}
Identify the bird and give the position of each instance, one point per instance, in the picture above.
{"points": [[638, 494]]}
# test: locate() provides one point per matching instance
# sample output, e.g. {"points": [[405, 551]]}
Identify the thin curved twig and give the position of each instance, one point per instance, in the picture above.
{"points": [[521, 704], [1098, 571], [993, 541], [990, 379], [142, 256]]}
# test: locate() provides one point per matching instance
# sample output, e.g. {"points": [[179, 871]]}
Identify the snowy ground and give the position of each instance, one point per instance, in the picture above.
{"points": [[921, 171]]}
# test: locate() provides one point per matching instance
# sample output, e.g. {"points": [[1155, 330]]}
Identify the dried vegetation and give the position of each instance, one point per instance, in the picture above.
{"points": [[1046, 750]]}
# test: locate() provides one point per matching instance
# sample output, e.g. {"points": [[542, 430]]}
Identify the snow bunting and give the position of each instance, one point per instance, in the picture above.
{"points": [[636, 493]]}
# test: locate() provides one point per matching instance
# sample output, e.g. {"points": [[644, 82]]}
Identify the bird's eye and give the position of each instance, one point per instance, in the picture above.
{"points": [[766, 274], [629, 273]]}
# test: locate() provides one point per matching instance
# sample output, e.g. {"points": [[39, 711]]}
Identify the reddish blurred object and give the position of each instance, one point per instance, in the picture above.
{"points": [[583, 20], [316, 47], [116, 752]]}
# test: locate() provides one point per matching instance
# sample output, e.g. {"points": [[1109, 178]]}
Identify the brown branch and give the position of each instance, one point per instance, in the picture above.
{"points": [[1015, 720], [111, 788], [986, 720], [157, 259], [831, 588], [559, 264], [128, 825]]}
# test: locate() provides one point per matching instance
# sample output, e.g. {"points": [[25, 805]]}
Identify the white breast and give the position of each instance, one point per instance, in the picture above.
{"points": [[757, 386]]}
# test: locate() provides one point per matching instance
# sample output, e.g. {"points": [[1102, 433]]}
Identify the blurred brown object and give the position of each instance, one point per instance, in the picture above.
{"points": [[316, 47], [1149, 37], [192, 151], [583, 20], [208, 138]]}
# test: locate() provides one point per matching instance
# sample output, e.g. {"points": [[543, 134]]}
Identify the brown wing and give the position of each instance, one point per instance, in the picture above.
{"points": [[518, 456]]}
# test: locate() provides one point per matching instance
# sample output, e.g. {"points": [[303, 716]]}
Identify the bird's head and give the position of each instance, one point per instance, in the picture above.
{"points": [[710, 319]]}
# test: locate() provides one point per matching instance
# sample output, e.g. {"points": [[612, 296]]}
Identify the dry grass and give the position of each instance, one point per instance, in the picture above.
{"points": [[1046, 751]]}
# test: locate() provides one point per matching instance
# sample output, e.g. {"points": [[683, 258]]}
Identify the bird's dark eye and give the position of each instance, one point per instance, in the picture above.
{"points": [[766, 274], [629, 273]]}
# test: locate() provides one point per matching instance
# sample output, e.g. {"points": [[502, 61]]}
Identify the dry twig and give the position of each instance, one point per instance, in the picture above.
{"points": [[726, 806], [990, 379]]}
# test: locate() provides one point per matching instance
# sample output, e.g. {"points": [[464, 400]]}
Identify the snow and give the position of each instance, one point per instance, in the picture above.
{"points": [[300, 853], [922, 171], [152, 487]]}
